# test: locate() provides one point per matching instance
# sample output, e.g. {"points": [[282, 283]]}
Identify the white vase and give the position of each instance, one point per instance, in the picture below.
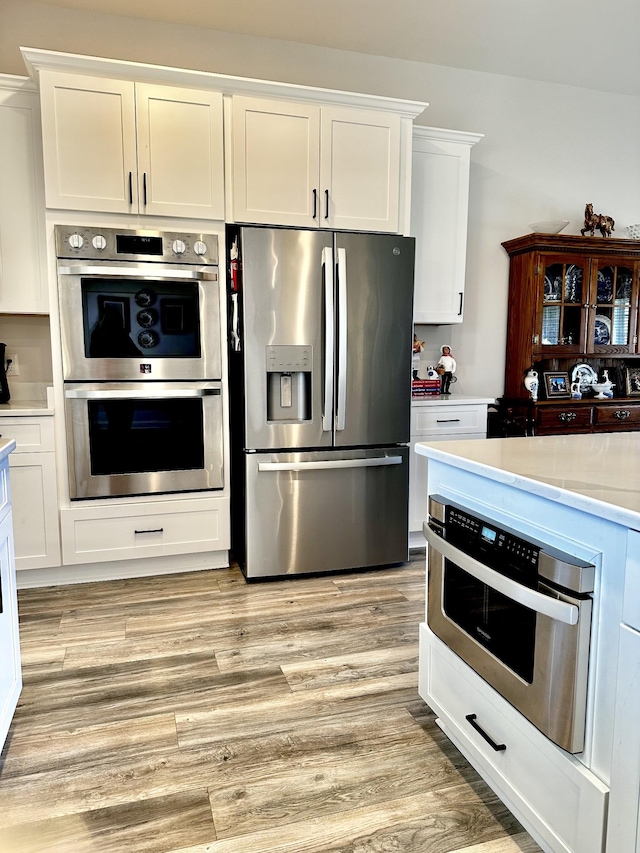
{"points": [[531, 383]]}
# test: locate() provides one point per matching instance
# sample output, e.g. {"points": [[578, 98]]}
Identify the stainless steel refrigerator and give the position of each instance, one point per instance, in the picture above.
{"points": [[320, 366]]}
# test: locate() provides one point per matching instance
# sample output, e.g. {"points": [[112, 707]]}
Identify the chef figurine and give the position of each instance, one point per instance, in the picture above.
{"points": [[447, 367]]}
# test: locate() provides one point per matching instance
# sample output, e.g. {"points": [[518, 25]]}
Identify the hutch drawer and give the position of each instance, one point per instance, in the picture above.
{"points": [[625, 416], [558, 419]]}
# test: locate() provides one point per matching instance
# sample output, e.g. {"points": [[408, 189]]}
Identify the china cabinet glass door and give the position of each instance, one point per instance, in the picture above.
{"points": [[562, 311], [610, 315]]}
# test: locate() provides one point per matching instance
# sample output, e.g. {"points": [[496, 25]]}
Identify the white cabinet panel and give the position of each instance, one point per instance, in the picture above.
{"points": [[10, 672], [439, 211], [120, 147], [23, 263], [359, 170]]}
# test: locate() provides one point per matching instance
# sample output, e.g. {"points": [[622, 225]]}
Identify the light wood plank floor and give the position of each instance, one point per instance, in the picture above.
{"points": [[197, 713]]}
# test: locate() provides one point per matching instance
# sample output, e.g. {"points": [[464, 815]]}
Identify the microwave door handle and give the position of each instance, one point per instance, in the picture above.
{"points": [[544, 604], [327, 280], [342, 339], [159, 271], [373, 462]]}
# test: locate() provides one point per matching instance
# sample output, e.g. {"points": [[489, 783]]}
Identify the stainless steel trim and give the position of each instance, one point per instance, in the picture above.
{"points": [[156, 271], [551, 607], [338, 463], [341, 405], [327, 401], [137, 391]]}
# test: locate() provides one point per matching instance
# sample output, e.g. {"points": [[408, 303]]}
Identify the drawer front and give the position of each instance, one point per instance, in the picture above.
{"points": [[95, 535], [32, 435], [624, 417], [451, 420], [546, 787], [564, 419]]}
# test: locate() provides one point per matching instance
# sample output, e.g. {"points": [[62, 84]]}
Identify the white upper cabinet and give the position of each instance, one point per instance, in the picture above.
{"points": [[315, 166], [123, 147], [439, 212], [23, 261]]}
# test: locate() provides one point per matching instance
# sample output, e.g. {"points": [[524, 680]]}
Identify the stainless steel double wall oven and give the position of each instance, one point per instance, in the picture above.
{"points": [[141, 354]]}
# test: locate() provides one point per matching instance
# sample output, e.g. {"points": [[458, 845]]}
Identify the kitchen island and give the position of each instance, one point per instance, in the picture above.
{"points": [[579, 494], [10, 672]]}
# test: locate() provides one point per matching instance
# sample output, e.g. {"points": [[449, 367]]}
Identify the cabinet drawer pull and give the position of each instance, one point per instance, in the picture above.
{"points": [[499, 747], [447, 420], [326, 204], [622, 414], [566, 416], [130, 188], [155, 530], [315, 203]]}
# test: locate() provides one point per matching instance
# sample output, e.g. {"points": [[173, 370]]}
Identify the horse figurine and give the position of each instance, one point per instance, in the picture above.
{"points": [[596, 220]]}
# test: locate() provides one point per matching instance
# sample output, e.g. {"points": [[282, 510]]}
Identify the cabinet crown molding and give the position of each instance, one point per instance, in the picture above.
{"points": [[37, 59], [442, 134]]}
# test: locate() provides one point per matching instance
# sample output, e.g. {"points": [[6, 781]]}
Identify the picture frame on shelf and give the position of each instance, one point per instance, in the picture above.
{"points": [[556, 384], [632, 376]]}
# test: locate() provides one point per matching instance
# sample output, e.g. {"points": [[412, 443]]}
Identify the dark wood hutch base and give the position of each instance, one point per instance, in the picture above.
{"points": [[572, 300]]}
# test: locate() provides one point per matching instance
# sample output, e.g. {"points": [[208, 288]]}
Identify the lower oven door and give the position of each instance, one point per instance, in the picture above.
{"points": [[141, 439], [531, 645]]}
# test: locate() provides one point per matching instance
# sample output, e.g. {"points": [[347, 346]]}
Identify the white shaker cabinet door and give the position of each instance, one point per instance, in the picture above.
{"points": [[89, 140], [180, 152], [359, 170], [35, 510], [23, 262], [275, 162], [439, 211]]}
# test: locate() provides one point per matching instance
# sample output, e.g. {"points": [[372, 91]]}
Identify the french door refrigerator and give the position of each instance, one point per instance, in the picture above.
{"points": [[320, 366]]}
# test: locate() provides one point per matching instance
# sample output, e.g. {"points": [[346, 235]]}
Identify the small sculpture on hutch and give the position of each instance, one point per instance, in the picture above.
{"points": [[597, 220], [445, 368]]}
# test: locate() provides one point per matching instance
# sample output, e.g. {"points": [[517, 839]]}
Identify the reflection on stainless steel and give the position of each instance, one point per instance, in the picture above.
{"points": [[559, 614], [321, 364]]}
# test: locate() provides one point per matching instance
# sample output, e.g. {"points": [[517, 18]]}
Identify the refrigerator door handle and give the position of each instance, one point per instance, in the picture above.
{"points": [[327, 278], [374, 462], [342, 339]]}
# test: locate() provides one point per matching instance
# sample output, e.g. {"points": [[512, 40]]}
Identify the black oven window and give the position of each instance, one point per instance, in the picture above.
{"points": [[140, 436], [128, 318], [504, 627]]}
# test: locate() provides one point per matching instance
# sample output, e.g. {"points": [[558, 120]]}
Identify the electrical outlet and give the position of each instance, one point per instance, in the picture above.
{"points": [[14, 367]]}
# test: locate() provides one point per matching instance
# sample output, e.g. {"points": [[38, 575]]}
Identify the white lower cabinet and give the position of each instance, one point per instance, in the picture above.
{"points": [[10, 672], [439, 420], [34, 491], [556, 798], [94, 534]]}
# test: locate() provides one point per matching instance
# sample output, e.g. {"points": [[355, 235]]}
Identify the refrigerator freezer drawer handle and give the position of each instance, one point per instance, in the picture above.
{"points": [[342, 340], [338, 463], [327, 399]]}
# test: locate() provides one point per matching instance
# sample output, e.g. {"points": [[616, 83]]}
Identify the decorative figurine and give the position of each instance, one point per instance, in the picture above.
{"points": [[446, 367], [531, 383], [418, 347], [576, 393], [596, 220]]}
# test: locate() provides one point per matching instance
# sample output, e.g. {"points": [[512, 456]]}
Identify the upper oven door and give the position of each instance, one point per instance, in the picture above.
{"points": [[128, 321]]}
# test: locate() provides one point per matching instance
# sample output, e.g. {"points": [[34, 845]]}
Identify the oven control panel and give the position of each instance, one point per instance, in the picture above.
{"points": [[123, 244]]}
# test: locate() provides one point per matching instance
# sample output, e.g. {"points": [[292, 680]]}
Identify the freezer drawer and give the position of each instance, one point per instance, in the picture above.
{"points": [[325, 510]]}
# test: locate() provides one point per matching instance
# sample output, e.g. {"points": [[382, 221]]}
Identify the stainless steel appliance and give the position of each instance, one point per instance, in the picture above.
{"points": [[515, 610], [141, 352], [320, 364], [138, 305]]}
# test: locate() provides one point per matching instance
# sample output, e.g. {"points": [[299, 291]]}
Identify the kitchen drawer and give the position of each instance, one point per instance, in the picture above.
{"points": [[32, 435], [126, 531], [564, 419], [623, 416], [453, 420], [543, 785]]}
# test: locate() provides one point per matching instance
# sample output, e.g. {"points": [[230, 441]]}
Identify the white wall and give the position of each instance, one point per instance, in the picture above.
{"points": [[547, 149]]}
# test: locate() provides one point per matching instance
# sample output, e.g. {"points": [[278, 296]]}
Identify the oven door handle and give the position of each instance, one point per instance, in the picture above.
{"points": [[157, 272], [144, 393], [544, 604]]}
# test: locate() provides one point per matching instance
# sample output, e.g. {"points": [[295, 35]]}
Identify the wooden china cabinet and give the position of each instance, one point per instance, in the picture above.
{"points": [[573, 308]]}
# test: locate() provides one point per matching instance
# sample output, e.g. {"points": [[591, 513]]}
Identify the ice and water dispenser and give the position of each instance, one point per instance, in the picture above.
{"points": [[289, 383]]}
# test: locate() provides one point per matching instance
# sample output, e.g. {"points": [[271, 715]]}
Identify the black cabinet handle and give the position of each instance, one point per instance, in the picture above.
{"points": [[130, 188], [460, 308], [499, 747], [326, 204], [315, 203], [144, 188], [156, 530]]}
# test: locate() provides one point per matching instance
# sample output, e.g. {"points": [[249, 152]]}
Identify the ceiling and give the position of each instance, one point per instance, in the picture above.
{"points": [[589, 43]]}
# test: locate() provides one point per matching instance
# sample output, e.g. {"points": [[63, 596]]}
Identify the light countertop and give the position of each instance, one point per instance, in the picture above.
{"points": [[25, 408], [6, 446], [599, 474]]}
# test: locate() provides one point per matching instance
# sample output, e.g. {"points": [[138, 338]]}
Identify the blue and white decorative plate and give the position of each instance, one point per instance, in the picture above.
{"points": [[602, 330]]}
